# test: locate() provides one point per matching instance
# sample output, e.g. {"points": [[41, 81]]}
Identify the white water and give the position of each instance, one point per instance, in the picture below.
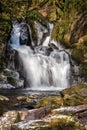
{"points": [[42, 72], [48, 38]]}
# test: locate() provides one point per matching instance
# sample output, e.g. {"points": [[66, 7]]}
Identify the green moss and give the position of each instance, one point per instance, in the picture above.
{"points": [[54, 102], [59, 30], [71, 97], [75, 95], [63, 124], [32, 15], [73, 100]]}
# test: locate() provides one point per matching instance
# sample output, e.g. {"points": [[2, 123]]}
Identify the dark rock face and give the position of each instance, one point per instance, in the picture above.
{"points": [[79, 28], [10, 79], [45, 50]]}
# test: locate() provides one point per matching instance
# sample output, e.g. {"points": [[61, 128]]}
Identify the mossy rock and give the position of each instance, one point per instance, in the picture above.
{"points": [[75, 95], [73, 100], [59, 30], [65, 123], [72, 96], [74, 89], [55, 102]]}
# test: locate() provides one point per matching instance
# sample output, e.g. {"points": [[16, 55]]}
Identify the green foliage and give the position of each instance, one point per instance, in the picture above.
{"points": [[78, 5], [59, 30], [52, 16], [32, 15], [15, 9]]}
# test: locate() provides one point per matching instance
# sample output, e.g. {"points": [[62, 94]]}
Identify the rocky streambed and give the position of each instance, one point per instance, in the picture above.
{"points": [[67, 111]]}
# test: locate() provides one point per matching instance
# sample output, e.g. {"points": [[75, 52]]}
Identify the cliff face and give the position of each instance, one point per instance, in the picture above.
{"points": [[70, 20]]}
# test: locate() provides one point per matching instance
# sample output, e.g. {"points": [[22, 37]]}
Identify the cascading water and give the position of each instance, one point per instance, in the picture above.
{"points": [[43, 67]]}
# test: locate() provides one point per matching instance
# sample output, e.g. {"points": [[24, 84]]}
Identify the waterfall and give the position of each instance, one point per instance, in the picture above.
{"points": [[45, 67]]}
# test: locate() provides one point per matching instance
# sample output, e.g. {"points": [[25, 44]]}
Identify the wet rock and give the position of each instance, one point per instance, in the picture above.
{"points": [[25, 102], [33, 114], [32, 125], [11, 73], [70, 110], [10, 79], [15, 82], [3, 98], [3, 79], [57, 122], [8, 119], [45, 50]]}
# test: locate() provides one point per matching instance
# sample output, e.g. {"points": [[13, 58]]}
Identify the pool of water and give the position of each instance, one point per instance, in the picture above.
{"points": [[28, 92]]}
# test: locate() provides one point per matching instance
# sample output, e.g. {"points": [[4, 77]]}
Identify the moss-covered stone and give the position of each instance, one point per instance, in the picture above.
{"points": [[72, 96], [55, 102], [65, 123], [60, 29]]}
